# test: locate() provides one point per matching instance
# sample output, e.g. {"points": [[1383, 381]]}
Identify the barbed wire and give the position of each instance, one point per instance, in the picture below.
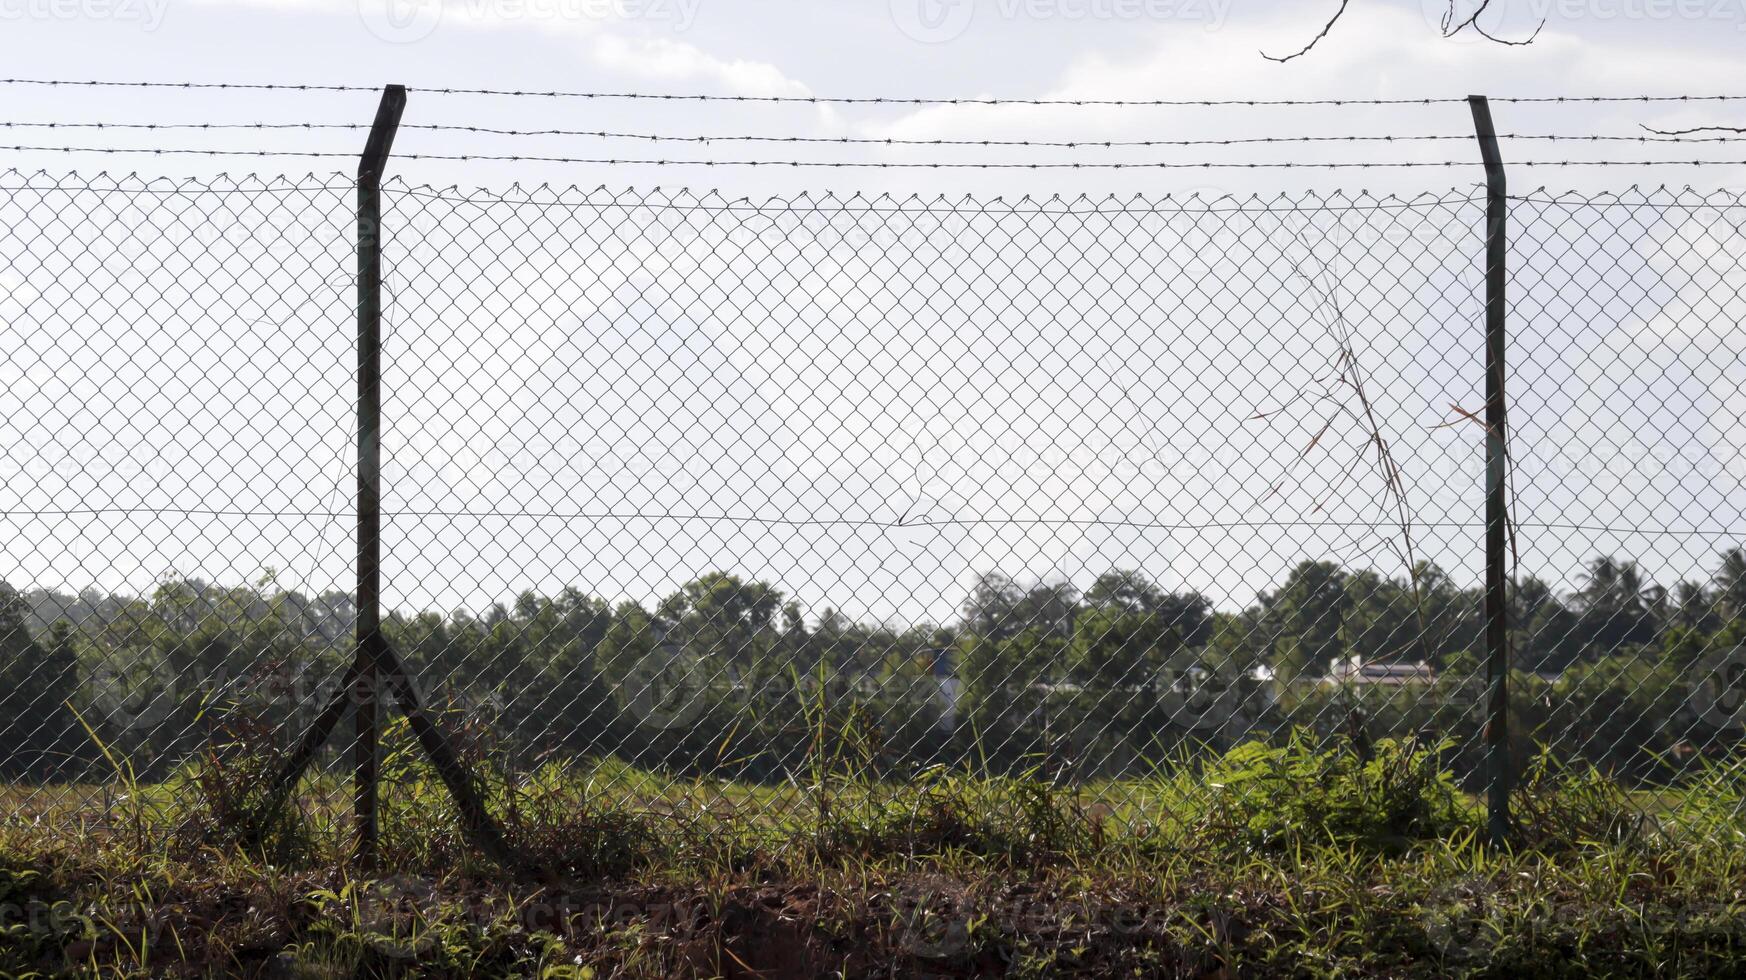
{"points": [[240, 86], [875, 164], [1687, 133], [851, 100], [877, 141]]}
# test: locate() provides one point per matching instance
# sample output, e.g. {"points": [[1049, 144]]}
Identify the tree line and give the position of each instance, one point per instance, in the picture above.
{"points": [[728, 675]]}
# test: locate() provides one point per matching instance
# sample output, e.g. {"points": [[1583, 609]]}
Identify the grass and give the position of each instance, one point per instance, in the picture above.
{"points": [[1291, 861]]}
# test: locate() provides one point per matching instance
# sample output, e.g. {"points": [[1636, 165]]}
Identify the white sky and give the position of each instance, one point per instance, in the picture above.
{"points": [[540, 334]]}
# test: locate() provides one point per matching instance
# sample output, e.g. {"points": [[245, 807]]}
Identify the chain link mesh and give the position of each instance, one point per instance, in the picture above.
{"points": [[702, 500]]}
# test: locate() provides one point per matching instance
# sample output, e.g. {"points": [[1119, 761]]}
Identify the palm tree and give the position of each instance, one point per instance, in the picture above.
{"points": [[1619, 606], [1731, 583]]}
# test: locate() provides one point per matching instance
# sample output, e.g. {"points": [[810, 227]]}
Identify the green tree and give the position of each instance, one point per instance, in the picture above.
{"points": [[1004, 696], [1310, 612], [630, 636], [1125, 590], [1547, 631], [1129, 628], [39, 734], [1617, 606], [724, 621], [1115, 647], [1731, 584], [991, 609]]}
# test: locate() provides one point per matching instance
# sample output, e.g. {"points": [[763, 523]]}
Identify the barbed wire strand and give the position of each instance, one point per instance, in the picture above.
{"points": [[869, 141], [878, 165], [849, 100]]}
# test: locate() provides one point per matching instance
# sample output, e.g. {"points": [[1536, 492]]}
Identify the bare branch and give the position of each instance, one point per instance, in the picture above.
{"points": [[1473, 22], [1449, 27], [1314, 40], [1482, 32]]}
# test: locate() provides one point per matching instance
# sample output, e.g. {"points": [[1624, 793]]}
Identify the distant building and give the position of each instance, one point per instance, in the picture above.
{"points": [[1354, 670]]}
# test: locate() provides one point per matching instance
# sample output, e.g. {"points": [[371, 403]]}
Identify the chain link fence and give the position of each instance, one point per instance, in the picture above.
{"points": [[699, 502]]}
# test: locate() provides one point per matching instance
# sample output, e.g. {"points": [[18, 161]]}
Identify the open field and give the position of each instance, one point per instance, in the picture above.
{"points": [[1286, 861]]}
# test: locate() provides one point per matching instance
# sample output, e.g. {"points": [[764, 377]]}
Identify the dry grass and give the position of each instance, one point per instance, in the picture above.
{"points": [[1294, 863]]}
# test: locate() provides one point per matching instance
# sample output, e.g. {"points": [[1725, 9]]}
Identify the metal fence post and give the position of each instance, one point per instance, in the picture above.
{"points": [[1497, 669], [375, 665], [369, 627]]}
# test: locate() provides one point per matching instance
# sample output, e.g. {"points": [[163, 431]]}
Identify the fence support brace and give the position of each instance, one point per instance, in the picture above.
{"points": [[1497, 661], [374, 665]]}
